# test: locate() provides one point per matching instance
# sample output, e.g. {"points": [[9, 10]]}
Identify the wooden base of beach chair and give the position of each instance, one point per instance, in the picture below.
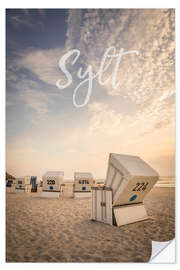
{"points": [[127, 214]]}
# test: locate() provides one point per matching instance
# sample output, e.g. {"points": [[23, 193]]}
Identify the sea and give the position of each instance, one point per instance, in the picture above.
{"points": [[166, 181]]}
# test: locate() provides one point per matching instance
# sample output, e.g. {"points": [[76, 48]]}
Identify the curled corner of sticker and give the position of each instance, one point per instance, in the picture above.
{"points": [[163, 252]]}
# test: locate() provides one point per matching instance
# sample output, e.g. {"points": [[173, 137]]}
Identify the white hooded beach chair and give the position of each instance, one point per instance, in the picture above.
{"points": [[83, 182], [52, 181], [129, 179]]}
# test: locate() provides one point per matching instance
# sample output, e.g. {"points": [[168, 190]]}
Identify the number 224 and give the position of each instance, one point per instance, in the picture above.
{"points": [[140, 186]]}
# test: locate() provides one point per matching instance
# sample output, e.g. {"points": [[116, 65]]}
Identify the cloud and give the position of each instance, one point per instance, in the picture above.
{"points": [[38, 101], [73, 32], [18, 20], [147, 79], [24, 18], [152, 71], [30, 94], [144, 79], [106, 121], [42, 63]]}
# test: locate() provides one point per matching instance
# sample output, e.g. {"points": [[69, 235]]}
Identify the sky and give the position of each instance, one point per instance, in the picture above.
{"points": [[45, 131]]}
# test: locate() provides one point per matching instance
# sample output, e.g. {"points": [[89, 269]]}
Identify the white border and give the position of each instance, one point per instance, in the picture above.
{"points": [[89, 4], [69, 4], [2, 137]]}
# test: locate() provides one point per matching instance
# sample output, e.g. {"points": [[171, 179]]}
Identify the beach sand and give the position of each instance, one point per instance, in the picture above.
{"points": [[60, 230]]}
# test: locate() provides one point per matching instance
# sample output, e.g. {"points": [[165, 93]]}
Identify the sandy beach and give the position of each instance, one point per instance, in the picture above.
{"points": [[60, 230]]}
